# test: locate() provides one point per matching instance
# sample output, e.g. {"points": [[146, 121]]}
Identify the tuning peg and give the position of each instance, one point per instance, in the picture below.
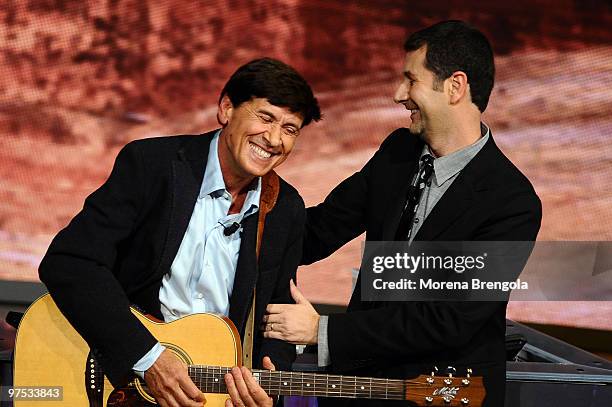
{"points": [[451, 371], [466, 381], [428, 399], [447, 400], [431, 379], [465, 401]]}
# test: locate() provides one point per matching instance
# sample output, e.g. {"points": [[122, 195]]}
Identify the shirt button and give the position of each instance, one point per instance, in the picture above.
{"points": [[199, 296], [416, 220]]}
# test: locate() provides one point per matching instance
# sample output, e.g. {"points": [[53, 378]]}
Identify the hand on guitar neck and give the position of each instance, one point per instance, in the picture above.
{"points": [[244, 390], [169, 382]]}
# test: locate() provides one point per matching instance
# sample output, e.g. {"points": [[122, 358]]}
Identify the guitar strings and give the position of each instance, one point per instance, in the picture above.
{"points": [[322, 378]]}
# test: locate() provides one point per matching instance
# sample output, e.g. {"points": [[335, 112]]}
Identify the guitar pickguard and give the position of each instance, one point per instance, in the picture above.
{"points": [[128, 396]]}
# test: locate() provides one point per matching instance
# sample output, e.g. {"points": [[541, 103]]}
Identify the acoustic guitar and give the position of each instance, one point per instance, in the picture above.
{"points": [[53, 366]]}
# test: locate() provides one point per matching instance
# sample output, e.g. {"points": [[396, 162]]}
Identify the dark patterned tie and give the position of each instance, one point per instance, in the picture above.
{"points": [[404, 230]]}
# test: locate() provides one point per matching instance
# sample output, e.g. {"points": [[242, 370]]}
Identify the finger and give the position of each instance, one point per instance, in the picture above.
{"points": [[268, 327], [168, 401], [230, 384], [296, 294], [257, 392], [162, 402], [228, 403], [163, 395], [274, 335], [243, 390], [267, 363], [191, 390], [183, 399], [272, 318], [275, 308]]}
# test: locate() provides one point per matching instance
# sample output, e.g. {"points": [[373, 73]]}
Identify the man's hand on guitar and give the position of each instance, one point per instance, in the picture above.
{"points": [[244, 389], [170, 384]]}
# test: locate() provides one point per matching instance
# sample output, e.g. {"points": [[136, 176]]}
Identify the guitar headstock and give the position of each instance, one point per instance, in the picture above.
{"points": [[446, 390]]}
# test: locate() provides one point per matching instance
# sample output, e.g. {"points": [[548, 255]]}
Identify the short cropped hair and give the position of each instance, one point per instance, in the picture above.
{"points": [[455, 46], [275, 81]]}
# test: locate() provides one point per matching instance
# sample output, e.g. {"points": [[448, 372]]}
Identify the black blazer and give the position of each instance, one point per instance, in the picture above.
{"points": [[117, 249], [490, 200]]}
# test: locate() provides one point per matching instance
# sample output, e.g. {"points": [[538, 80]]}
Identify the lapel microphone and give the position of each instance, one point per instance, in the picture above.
{"points": [[231, 229]]}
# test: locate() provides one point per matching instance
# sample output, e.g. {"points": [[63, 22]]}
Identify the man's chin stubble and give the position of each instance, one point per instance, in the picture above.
{"points": [[420, 134]]}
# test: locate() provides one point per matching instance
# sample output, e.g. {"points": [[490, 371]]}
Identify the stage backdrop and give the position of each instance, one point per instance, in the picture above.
{"points": [[79, 79]]}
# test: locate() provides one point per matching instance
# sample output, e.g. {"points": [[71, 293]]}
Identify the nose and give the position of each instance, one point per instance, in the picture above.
{"points": [[401, 93], [274, 135]]}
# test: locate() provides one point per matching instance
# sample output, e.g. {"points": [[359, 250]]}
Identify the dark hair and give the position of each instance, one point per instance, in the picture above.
{"points": [[455, 46], [276, 81]]}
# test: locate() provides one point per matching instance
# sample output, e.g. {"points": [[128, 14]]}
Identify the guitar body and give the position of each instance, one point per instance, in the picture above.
{"points": [[50, 353]]}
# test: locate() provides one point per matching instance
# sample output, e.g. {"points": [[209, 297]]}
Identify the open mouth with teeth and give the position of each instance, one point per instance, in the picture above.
{"points": [[259, 152]]}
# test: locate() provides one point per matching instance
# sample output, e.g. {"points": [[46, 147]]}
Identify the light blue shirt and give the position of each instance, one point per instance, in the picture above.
{"points": [[201, 276]]}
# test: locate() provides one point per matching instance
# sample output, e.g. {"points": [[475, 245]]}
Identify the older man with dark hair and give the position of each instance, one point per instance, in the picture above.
{"points": [[174, 229]]}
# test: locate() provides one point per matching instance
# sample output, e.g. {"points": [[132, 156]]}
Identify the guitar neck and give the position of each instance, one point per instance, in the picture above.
{"points": [[210, 379]]}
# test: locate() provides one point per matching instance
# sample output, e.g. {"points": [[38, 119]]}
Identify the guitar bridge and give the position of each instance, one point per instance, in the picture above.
{"points": [[94, 381]]}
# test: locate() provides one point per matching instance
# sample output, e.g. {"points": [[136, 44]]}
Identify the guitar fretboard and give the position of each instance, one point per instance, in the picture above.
{"points": [[210, 379]]}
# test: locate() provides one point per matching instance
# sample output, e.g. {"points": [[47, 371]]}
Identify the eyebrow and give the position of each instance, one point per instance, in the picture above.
{"points": [[268, 113], [263, 111]]}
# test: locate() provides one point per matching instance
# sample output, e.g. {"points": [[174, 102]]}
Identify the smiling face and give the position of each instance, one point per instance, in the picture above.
{"points": [[257, 136], [420, 93]]}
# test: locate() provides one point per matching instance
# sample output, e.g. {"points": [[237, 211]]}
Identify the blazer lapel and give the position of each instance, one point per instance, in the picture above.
{"points": [[397, 197], [187, 174], [246, 274], [461, 194], [457, 198]]}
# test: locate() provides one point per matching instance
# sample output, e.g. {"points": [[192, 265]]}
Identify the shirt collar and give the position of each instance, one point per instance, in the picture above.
{"points": [[213, 177], [214, 185], [449, 165]]}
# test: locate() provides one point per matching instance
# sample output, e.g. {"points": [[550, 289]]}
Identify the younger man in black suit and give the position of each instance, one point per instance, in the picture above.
{"points": [[472, 192]]}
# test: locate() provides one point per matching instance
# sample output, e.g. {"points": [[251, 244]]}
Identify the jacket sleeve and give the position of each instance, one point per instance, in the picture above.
{"points": [[409, 328], [283, 353], [77, 269], [341, 217]]}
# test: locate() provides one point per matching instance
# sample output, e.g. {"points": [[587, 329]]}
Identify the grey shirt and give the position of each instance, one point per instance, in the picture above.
{"points": [[446, 170]]}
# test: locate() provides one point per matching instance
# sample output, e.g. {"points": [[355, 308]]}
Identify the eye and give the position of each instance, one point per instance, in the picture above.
{"points": [[266, 119], [291, 131]]}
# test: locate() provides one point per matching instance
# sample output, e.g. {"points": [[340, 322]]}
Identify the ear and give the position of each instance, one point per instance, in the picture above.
{"points": [[224, 111], [458, 87]]}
